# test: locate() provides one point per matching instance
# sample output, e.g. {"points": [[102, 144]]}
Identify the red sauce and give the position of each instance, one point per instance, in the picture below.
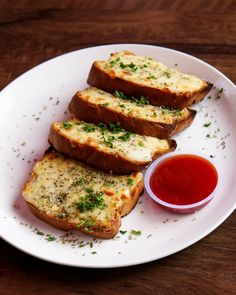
{"points": [[184, 179]]}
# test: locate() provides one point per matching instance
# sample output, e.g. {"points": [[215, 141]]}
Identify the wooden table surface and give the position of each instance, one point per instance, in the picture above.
{"points": [[34, 31]]}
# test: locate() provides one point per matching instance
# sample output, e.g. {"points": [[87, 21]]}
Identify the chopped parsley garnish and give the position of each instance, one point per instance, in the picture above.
{"points": [[207, 124], [120, 94], [88, 190], [51, 239], [125, 137], [168, 110], [90, 201], [102, 126], [113, 62], [94, 252], [130, 181], [123, 232], [109, 140], [115, 128], [141, 100], [132, 67], [221, 90], [138, 100], [136, 232], [67, 124], [208, 136], [89, 127]]}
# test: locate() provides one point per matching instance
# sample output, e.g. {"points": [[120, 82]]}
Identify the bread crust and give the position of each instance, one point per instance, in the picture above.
{"points": [[93, 113], [102, 233], [96, 158], [110, 83]]}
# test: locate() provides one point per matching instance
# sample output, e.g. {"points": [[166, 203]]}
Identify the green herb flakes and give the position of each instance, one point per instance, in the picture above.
{"points": [[115, 128], [90, 201], [207, 124], [130, 181], [40, 233], [89, 127], [138, 100], [131, 67], [171, 111], [136, 232], [67, 124], [108, 141], [126, 136], [123, 232], [120, 94], [51, 239], [102, 126]]}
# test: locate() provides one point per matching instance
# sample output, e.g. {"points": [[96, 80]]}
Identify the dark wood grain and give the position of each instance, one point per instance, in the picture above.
{"points": [[34, 31]]}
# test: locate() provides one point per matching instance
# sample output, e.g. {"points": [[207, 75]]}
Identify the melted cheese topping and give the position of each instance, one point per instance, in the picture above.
{"points": [[131, 109], [59, 183], [132, 146], [149, 72]]}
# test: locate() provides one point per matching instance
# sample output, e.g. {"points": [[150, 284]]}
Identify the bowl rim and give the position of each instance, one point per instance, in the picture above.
{"points": [[159, 160]]}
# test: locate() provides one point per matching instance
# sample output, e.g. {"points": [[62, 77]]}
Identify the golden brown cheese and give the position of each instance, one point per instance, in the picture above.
{"points": [[149, 72], [131, 146], [138, 109]]}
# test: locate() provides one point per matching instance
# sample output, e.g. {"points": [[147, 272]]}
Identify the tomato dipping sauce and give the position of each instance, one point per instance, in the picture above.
{"points": [[183, 179]]}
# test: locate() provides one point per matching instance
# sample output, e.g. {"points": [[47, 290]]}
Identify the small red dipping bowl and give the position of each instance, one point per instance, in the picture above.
{"points": [[182, 182]]}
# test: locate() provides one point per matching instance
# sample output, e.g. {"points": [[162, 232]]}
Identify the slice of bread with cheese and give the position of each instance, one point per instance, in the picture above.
{"points": [[134, 114], [143, 76], [108, 147], [70, 195]]}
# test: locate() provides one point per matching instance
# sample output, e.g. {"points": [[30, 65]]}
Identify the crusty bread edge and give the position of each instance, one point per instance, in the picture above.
{"points": [[66, 225], [110, 83], [97, 158], [90, 112]]}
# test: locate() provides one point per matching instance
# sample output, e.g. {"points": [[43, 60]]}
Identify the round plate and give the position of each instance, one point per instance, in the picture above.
{"points": [[40, 96]]}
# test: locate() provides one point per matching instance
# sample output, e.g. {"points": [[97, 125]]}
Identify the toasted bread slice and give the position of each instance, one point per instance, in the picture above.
{"points": [[144, 76], [133, 114], [108, 147], [70, 195]]}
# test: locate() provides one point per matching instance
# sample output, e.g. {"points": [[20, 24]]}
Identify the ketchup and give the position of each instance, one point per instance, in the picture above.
{"points": [[184, 179]]}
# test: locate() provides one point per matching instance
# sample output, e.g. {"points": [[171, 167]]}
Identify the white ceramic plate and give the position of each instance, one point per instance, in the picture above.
{"points": [[40, 96]]}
